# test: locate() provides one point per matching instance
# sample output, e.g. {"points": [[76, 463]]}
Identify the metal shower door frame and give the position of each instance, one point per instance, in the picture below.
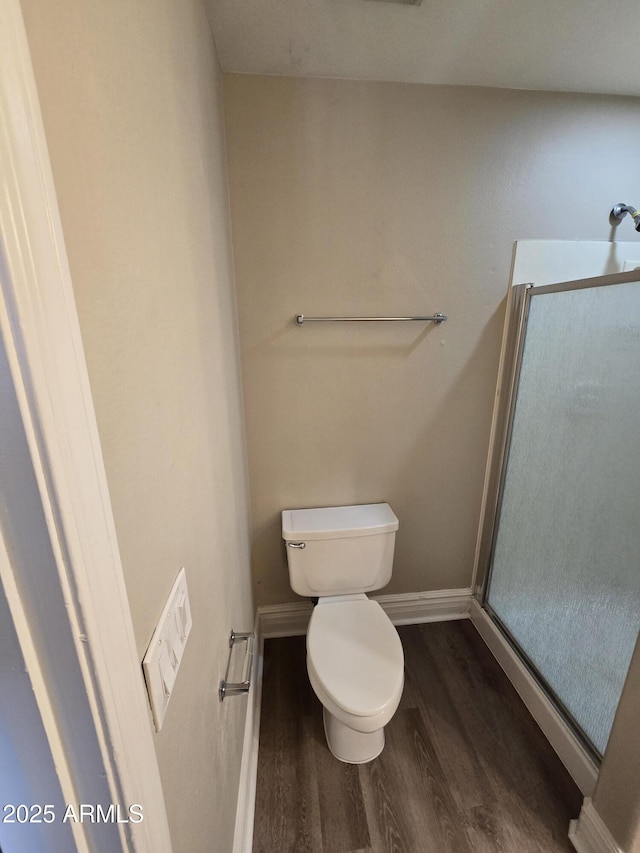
{"points": [[504, 411]]}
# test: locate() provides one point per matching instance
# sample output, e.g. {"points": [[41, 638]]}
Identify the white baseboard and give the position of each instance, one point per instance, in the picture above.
{"points": [[245, 809], [284, 620], [292, 619], [588, 834], [567, 746], [414, 608]]}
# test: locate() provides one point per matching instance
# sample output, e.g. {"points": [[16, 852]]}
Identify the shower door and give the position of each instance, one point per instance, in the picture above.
{"points": [[564, 553]]}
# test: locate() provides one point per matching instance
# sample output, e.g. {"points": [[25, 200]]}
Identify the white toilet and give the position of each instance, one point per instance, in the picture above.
{"points": [[354, 654]]}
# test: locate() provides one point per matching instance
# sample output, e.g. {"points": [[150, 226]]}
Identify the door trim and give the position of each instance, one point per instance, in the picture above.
{"points": [[41, 335]]}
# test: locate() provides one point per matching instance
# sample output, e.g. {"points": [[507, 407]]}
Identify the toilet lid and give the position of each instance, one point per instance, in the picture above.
{"points": [[356, 655]]}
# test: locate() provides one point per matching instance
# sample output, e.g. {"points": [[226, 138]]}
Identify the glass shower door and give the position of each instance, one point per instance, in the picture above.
{"points": [[564, 578]]}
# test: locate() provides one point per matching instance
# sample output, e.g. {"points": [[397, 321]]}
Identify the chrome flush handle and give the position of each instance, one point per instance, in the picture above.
{"points": [[297, 545]]}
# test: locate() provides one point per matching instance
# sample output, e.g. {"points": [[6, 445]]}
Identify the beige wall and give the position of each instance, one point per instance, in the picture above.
{"points": [[374, 198], [131, 96], [617, 794]]}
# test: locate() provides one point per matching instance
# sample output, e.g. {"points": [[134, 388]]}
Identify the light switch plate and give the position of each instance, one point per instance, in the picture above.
{"points": [[163, 657]]}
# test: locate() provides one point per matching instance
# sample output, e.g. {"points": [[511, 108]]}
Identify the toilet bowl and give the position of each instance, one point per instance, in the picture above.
{"points": [[355, 664], [355, 660]]}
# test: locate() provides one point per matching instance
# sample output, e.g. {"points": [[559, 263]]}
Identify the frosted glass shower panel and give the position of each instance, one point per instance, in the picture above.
{"points": [[565, 575]]}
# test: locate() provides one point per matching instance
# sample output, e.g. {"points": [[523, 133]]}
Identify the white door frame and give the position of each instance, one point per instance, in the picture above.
{"points": [[40, 333]]}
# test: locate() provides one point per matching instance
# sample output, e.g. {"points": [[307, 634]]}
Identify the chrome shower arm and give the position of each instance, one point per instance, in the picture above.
{"points": [[619, 211]]}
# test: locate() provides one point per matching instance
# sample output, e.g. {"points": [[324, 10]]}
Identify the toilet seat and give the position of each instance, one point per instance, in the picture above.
{"points": [[355, 661]]}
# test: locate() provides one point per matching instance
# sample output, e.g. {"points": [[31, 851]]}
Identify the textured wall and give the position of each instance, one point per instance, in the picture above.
{"points": [[131, 97], [378, 198]]}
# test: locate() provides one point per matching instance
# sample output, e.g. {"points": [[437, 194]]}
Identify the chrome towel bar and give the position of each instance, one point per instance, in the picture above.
{"points": [[235, 688], [300, 319]]}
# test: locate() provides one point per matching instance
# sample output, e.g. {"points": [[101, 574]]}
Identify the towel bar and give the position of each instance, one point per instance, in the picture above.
{"points": [[236, 688], [300, 319]]}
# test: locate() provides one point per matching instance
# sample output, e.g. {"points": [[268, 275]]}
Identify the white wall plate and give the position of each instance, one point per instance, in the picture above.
{"points": [[163, 657]]}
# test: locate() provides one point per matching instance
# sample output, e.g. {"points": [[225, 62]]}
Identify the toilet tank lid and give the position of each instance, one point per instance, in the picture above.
{"points": [[336, 522]]}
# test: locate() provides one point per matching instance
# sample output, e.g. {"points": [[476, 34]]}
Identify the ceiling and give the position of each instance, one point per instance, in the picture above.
{"points": [[557, 45]]}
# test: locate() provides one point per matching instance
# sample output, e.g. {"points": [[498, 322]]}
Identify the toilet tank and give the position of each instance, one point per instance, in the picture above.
{"points": [[339, 550]]}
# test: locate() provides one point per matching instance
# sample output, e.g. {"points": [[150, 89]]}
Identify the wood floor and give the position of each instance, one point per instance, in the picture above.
{"points": [[465, 767]]}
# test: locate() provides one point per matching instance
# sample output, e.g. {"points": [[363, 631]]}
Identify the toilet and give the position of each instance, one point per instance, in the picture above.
{"points": [[354, 654]]}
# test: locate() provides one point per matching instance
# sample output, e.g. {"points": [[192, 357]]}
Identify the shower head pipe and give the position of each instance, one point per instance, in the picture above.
{"points": [[619, 211]]}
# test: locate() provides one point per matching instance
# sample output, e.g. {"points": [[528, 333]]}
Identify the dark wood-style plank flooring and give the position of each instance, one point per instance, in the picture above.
{"points": [[465, 767]]}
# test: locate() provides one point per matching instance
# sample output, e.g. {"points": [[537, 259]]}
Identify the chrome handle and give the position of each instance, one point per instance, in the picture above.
{"points": [[297, 545], [236, 688]]}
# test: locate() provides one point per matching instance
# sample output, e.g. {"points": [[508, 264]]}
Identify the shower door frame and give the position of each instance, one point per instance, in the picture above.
{"points": [[518, 305]]}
